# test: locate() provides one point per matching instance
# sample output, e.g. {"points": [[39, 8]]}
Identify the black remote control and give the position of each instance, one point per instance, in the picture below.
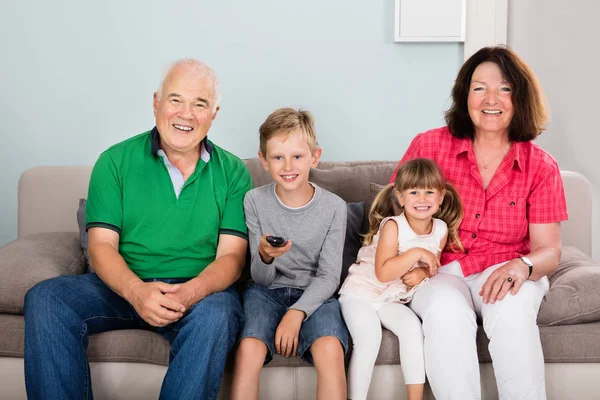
{"points": [[276, 241]]}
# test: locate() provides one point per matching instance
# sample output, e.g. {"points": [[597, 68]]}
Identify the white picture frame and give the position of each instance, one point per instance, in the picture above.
{"points": [[430, 21]]}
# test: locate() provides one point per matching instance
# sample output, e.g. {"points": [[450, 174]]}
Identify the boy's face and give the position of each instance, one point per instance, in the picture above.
{"points": [[289, 160]]}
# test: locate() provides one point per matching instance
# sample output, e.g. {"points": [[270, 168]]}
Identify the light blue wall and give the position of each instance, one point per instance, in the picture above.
{"points": [[78, 76]]}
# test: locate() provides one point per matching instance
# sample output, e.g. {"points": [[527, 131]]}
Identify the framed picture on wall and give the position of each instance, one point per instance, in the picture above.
{"points": [[430, 21]]}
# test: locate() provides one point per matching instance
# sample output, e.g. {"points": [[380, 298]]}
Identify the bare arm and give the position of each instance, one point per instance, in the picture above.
{"points": [[545, 254], [546, 248], [148, 299], [389, 265], [107, 262]]}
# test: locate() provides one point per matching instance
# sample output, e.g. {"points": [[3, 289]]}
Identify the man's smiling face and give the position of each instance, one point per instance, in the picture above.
{"points": [[184, 110]]}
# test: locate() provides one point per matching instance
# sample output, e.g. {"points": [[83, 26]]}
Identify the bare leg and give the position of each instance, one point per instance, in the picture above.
{"points": [[328, 356], [249, 358]]}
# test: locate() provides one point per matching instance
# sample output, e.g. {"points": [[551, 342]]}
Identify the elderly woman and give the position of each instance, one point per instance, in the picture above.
{"points": [[514, 201]]}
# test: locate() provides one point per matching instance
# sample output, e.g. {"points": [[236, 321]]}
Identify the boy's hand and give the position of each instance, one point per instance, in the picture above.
{"points": [[268, 253], [286, 335], [428, 259], [415, 277]]}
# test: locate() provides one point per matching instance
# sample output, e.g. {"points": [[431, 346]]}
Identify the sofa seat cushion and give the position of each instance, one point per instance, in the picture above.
{"points": [[562, 344], [574, 295], [118, 346], [32, 259]]}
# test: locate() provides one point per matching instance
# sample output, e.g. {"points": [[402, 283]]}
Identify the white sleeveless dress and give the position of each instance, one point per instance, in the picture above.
{"points": [[362, 281]]}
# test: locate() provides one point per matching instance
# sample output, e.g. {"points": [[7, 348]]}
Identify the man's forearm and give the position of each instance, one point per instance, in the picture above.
{"points": [[218, 276], [112, 269]]}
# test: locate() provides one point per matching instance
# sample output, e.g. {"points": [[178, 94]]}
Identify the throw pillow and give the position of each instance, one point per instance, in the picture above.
{"points": [[32, 259], [83, 235], [374, 189], [353, 240], [574, 295]]}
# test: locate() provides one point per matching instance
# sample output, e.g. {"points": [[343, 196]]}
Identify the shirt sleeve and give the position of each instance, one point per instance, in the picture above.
{"points": [[413, 151], [327, 280], [233, 221], [547, 203], [104, 207], [261, 273]]}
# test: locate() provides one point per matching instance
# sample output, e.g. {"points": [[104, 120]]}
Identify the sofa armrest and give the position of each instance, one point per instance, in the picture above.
{"points": [[25, 262]]}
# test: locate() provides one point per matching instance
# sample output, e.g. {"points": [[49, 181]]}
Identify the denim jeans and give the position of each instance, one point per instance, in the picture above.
{"points": [[61, 313], [264, 308]]}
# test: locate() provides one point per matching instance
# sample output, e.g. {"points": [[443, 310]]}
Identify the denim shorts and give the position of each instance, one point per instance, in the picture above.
{"points": [[264, 308]]}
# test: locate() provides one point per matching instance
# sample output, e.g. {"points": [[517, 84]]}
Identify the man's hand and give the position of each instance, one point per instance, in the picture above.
{"points": [[286, 335], [152, 304], [498, 283], [268, 253], [186, 293], [415, 277]]}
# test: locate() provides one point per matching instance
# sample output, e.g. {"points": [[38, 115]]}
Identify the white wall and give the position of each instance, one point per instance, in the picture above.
{"points": [[559, 40], [78, 76]]}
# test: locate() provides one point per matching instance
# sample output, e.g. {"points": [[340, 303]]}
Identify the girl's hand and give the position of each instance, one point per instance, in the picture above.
{"points": [[428, 259], [268, 253], [415, 277]]}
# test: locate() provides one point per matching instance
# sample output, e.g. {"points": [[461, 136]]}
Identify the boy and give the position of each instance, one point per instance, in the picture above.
{"points": [[288, 306]]}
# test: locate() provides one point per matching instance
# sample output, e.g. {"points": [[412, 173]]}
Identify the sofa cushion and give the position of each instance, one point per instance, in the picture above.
{"points": [[574, 295], [561, 344], [32, 259], [83, 235], [353, 241], [349, 180]]}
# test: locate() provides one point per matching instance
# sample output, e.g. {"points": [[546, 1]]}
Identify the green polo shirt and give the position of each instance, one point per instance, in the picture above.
{"points": [[162, 235]]}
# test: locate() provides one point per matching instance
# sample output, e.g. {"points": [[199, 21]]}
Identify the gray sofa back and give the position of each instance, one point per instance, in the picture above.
{"points": [[49, 196]]}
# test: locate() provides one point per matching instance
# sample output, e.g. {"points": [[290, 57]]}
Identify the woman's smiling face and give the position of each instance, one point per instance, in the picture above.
{"points": [[490, 100]]}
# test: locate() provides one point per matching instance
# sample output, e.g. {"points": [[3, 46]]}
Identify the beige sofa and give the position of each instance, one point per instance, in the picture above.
{"points": [[131, 364]]}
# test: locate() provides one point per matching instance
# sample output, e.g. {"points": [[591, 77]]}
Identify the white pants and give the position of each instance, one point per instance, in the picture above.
{"points": [[448, 306], [364, 320]]}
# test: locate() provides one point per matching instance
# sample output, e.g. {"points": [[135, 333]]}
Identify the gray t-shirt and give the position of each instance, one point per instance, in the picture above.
{"points": [[317, 232]]}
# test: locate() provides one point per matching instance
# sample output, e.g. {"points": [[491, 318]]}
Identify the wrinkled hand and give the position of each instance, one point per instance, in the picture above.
{"points": [[268, 253], [415, 277], [286, 335], [185, 294], [497, 285], [428, 259], [151, 302]]}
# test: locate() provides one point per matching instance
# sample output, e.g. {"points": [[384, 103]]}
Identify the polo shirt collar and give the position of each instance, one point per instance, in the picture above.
{"points": [[460, 146], [206, 146]]}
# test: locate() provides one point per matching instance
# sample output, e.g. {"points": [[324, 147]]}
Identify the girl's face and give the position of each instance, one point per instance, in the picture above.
{"points": [[419, 203]]}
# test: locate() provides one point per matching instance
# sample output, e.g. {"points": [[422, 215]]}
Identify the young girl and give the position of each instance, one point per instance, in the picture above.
{"points": [[395, 259]]}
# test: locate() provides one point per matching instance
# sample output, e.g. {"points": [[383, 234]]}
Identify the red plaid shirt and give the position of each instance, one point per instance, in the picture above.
{"points": [[526, 189]]}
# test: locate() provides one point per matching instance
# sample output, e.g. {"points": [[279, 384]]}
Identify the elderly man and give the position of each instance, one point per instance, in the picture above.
{"points": [[167, 239]]}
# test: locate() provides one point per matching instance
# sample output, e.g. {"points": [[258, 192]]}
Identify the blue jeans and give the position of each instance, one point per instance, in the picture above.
{"points": [[264, 308], [61, 313]]}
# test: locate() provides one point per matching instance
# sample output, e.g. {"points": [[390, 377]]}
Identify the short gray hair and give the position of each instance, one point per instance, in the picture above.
{"points": [[200, 68]]}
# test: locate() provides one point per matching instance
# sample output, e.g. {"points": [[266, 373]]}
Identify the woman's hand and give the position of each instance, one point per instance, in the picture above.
{"points": [[509, 277]]}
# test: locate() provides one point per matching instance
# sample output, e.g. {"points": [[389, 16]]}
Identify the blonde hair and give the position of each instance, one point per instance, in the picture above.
{"points": [[288, 120], [419, 173]]}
